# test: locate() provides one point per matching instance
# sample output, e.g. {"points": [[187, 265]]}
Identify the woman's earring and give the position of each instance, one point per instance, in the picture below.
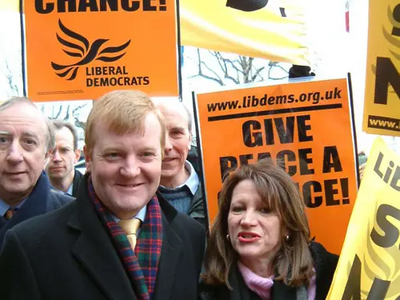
{"points": [[287, 237], [227, 237]]}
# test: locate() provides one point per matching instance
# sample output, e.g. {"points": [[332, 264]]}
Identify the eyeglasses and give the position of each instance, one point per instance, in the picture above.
{"points": [[62, 151]]}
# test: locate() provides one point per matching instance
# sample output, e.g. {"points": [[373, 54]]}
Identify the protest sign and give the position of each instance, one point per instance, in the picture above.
{"points": [[369, 265], [307, 125], [83, 49], [382, 87]]}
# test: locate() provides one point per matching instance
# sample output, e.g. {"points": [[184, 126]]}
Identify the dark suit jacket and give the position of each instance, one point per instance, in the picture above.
{"points": [[68, 254], [76, 183], [42, 199]]}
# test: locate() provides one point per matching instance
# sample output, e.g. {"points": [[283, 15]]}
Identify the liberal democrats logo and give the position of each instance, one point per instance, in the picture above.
{"points": [[79, 46]]}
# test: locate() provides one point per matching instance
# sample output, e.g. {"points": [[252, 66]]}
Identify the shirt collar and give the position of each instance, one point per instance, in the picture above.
{"points": [[4, 206], [69, 191], [140, 215], [193, 181]]}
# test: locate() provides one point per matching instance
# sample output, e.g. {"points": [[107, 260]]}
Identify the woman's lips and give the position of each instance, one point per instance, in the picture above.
{"points": [[248, 237]]}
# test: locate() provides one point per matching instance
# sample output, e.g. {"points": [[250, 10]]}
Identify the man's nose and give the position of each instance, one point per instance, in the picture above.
{"points": [[168, 144], [131, 167], [55, 156], [15, 153]]}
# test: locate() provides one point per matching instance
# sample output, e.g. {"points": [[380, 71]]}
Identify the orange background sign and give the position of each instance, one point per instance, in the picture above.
{"points": [[307, 125], [76, 50]]}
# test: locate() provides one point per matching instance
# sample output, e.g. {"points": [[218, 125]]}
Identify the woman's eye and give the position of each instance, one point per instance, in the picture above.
{"points": [[265, 210], [237, 209]]}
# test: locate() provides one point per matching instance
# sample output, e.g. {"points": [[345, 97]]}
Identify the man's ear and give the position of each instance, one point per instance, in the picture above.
{"points": [[46, 159], [190, 141], [87, 158], [77, 155]]}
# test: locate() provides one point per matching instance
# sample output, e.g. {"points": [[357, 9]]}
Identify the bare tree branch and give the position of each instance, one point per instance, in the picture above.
{"points": [[257, 73], [59, 112], [66, 118], [238, 68], [200, 71], [76, 109], [10, 79], [79, 123]]}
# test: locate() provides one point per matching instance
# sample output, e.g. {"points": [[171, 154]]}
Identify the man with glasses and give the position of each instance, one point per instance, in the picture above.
{"points": [[60, 169]]}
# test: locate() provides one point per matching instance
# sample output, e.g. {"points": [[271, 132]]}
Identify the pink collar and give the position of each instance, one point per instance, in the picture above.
{"points": [[260, 285]]}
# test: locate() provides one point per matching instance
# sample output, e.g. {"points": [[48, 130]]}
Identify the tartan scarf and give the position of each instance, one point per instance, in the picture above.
{"points": [[141, 264]]}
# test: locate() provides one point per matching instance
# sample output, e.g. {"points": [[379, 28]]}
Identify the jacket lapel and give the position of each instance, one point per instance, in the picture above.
{"points": [[34, 205], [95, 252], [170, 252]]}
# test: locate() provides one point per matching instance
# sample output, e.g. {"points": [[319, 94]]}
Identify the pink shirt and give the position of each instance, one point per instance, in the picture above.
{"points": [[262, 286]]}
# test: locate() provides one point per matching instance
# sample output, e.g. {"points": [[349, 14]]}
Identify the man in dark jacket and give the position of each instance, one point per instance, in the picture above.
{"points": [[119, 239], [26, 141], [60, 168], [180, 184]]}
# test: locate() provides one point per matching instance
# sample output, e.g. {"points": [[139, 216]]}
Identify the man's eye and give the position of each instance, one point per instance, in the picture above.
{"points": [[176, 133], [30, 142], [112, 155], [148, 154], [65, 150], [3, 140]]}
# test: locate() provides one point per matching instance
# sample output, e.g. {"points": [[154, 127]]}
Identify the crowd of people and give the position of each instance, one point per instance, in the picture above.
{"points": [[135, 225]]}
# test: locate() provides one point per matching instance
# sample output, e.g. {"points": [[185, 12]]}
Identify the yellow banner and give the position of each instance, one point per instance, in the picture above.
{"points": [[12, 5], [257, 28], [382, 102], [369, 265]]}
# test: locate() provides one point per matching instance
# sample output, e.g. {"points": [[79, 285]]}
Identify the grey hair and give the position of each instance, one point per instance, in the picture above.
{"points": [[50, 134], [60, 124], [189, 116]]}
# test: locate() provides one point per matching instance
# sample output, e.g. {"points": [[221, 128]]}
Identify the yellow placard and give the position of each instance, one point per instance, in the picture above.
{"points": [[382, 87], [257, 28], [369, 264], [84, 49], [307, 125]]}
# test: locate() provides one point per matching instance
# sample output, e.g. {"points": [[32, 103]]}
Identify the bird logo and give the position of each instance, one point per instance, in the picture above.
{"points": [[79, 46]]}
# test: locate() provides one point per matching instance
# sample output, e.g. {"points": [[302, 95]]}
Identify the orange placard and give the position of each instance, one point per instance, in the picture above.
{"points": [[81, 49], [307, 125]]}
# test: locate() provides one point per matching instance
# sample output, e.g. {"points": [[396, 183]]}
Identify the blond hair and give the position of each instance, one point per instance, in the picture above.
{"points": [[122, 112]]}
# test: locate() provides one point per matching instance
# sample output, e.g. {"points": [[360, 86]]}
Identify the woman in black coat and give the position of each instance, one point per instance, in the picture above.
{"points": [[259, 246]]}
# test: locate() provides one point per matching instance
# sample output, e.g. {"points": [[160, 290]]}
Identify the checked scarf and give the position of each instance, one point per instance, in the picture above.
{"points": [[141, 264]]}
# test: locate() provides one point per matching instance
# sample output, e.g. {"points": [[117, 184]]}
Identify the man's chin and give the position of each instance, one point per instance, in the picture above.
{"points": [[168, 174]]}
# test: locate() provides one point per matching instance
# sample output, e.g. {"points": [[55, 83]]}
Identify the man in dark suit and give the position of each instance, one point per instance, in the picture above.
{"points": [[26, 141], [60, 168], [85, 250]]}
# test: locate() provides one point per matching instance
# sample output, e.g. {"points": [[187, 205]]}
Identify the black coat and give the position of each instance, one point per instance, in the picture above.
{"points": [[68, 254], [78, 176], [325, 265]]}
